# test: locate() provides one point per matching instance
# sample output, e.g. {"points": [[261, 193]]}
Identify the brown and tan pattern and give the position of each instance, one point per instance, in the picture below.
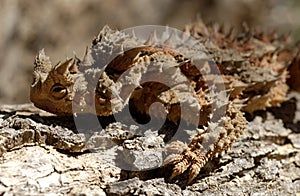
{"points": [[253, 69]]}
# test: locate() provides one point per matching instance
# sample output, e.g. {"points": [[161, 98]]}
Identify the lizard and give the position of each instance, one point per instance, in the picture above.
{"points": [[117, 71]]}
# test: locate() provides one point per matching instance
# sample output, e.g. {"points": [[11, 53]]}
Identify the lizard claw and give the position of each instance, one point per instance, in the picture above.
{"points": [[187, 161]]}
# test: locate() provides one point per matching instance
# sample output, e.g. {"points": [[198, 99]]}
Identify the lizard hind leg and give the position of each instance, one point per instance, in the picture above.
{"points": [[188, 161], [216, 139], [187, 164]]}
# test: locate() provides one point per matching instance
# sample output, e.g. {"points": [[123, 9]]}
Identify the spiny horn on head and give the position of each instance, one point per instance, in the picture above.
{"points": [[36, 78], [87, 59], [103, 33], [73, 68], [63, 68], [42, 62]]}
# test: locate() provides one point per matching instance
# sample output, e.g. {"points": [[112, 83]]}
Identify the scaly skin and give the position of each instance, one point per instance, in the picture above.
{"points": [[119, 69]]}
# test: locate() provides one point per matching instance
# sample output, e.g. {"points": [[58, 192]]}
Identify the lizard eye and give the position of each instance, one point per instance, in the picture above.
{"points": [[58, 91]]}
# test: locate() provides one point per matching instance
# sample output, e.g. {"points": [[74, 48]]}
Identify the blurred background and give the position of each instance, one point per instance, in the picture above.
{"points": [[66, 26]]}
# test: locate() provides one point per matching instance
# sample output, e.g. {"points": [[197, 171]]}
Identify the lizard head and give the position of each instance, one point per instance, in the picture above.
{"points": [[53, 87]]}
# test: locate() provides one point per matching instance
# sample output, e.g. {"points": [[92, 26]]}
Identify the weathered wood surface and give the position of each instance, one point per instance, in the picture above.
{"points": [[40, 154]]}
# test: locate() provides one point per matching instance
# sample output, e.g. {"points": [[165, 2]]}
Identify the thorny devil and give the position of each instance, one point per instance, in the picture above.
{"points": [[120, 69]]}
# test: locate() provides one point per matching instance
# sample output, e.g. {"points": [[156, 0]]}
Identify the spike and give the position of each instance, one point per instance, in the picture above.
{"points": [[73, 68], [186, 34], [222, 28], [87, 58], [230, 33], [215, 28], [249, 39], [42, 52], [166, 33], [133, 34], [287, 37], [152, 39], [63, 68], [121, 49], [116, 94], [42, 62], [104, 31], [170, 40], [272, 36], [246, 27], [36, 78]]}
